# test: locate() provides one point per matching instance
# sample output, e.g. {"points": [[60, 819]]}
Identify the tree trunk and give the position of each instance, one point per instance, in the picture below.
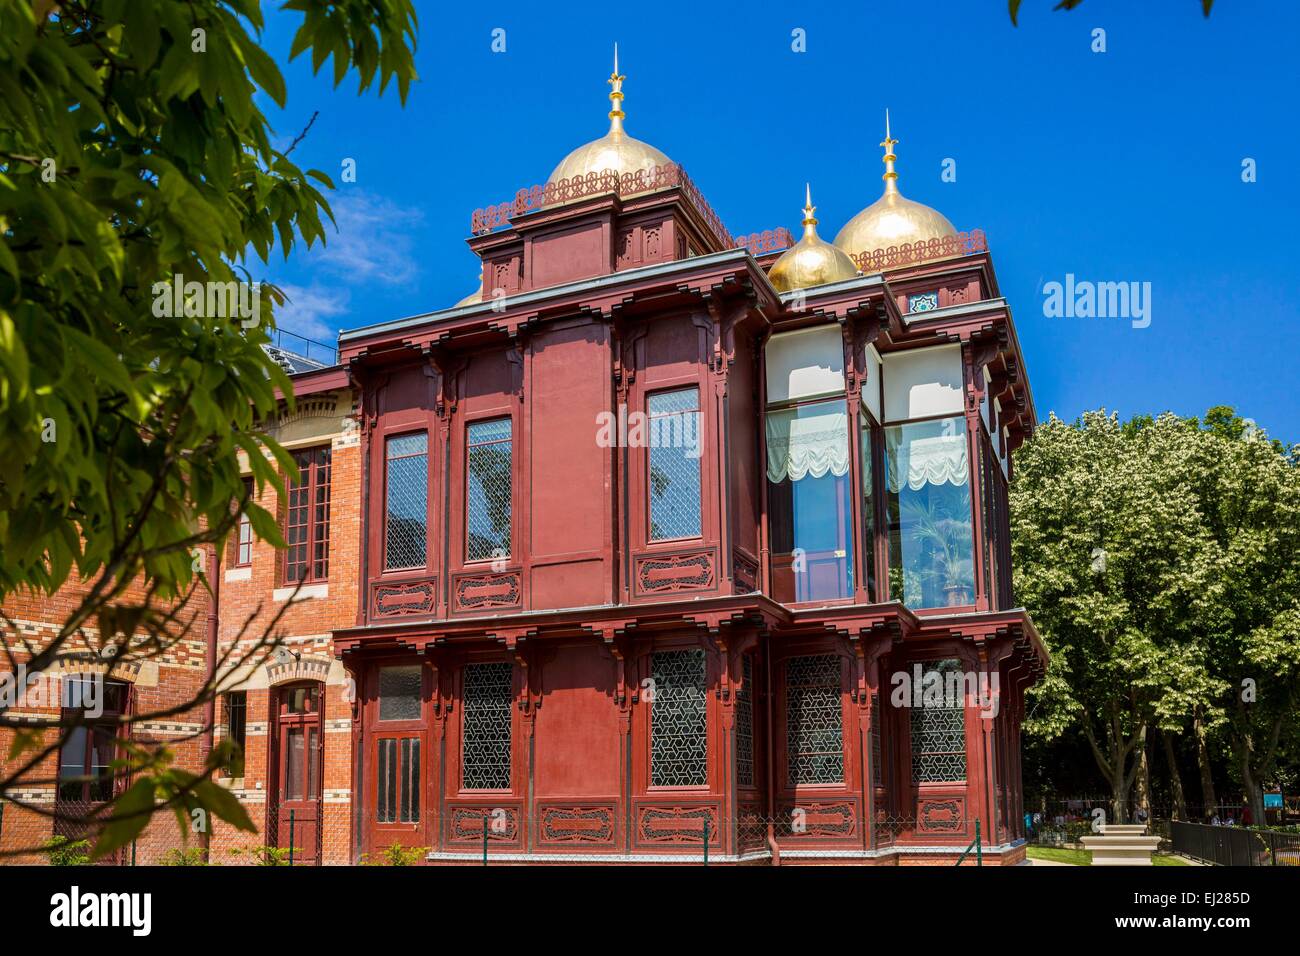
{"points": [[1175, 779], [1142, 798], [1209, 802]]}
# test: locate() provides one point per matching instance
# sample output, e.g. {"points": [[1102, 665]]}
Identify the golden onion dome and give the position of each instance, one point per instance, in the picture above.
{"points": [[475, 297], [812, 260], [892, 219], [615, 151]]}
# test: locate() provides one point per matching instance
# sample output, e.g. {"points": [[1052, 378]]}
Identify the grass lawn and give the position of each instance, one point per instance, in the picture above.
{"points": [[1059, 854], [1084, 857]]}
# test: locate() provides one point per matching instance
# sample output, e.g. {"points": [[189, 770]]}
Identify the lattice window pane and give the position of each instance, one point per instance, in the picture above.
{"points": [[678, 720], [745, 723], [675, 444], [407, 501], [877, 773], [939, 730], [814, 720], [399, 692], [485, 743], [488, 497]]}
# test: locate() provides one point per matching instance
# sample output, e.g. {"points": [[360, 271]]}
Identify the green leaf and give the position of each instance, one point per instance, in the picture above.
{"points": [[131, 813]]}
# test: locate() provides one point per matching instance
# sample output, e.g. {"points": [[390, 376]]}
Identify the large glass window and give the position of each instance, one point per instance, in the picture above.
{"points": [[814, 731], [931, 562], [675, 446], [868, 504], [939, 725], [678, 719], [488, 497], [810, 511], [307, 519], [485, 741], [407, 501]]}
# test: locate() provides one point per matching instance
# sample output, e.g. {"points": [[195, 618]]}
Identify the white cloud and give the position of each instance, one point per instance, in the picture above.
{"points": [[312, 311], [373, 241]]}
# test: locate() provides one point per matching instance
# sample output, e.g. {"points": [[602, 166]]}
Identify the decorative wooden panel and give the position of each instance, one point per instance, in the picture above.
{"points": [[465, 825], [744, 572], [668, 573], [482, 592], [830, 819], [569, 824], [410, 597], [940, 816], [751, 826], [676, 824]]}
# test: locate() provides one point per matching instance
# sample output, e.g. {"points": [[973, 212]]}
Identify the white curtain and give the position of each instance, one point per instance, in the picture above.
{"points": [[934, 460], [815, 445]]}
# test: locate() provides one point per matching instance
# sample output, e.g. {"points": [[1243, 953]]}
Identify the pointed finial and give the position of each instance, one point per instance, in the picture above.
{"points": [[616, 113], [889, 143], [809, 220], [808, 208]]}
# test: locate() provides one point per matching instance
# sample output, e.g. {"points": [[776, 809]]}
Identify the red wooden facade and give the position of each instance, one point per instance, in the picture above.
{"points": [[597, 612]]}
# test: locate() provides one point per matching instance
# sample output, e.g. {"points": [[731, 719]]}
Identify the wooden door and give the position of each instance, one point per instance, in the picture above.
{"points": [[396, 758], [301, 748]]}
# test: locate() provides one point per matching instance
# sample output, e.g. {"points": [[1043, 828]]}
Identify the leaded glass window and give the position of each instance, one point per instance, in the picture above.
{"points": [[745, 723], [398, 773], [399, 692], [678, 720], [675, 446], [939, 729], [488, 496], [485, 743], [407, 501], [814, 731]]}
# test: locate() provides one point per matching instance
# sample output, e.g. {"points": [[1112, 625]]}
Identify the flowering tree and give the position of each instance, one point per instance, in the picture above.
{"points": [[1159, 558]]}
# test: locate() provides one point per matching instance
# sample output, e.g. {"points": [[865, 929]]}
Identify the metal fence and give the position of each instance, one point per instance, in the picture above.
{"points": [[1235, 846]]}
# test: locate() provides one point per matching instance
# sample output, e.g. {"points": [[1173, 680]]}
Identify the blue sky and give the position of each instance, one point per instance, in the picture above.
{"points": [[1117, 166]]}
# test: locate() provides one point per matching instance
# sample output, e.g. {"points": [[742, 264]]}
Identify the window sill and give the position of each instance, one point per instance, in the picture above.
{"points": [[242, 573], [306, 593]]}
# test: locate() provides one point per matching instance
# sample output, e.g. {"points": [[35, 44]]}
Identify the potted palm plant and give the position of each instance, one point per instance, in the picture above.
{"points": [[939, 527]]}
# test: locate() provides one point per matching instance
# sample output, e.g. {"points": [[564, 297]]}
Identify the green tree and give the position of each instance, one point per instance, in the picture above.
{"points": [[132, 154], [1159, 558]]}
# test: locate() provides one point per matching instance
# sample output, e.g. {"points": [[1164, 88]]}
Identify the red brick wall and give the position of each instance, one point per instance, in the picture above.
{"points": [[306, 627]]}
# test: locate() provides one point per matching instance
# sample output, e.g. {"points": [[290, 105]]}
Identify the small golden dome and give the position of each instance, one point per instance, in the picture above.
{"points": [[475, 297], [812, 260], [892, 219], [615, 151]]}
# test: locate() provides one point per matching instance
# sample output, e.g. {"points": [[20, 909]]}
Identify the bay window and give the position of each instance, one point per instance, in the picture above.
{"points": [[927, 497], [809, 504]]}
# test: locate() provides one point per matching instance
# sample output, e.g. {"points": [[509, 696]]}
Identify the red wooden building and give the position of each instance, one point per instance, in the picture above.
{"points": [[668, 534]]}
